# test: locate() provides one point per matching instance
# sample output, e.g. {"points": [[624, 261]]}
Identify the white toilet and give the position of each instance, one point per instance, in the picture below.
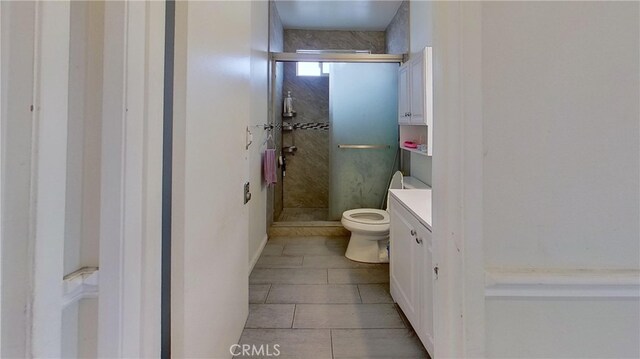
{"points": [[370, 230]]}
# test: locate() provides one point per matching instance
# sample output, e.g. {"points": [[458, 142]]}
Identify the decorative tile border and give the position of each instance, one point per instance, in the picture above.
{"points": [[321, 126]]}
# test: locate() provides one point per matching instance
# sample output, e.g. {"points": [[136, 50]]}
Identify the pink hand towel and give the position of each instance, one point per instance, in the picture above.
{"points": [[269, 166]]}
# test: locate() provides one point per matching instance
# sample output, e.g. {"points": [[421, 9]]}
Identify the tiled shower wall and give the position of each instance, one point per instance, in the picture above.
{"points": [[306, 184]]}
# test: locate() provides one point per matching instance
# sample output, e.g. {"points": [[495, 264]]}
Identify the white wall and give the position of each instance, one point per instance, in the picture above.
{"points": [[131, 177], [420, 25], [258, 117], [82, 212], [561, 135], [34, 131], [80, 329], [35, 145], [16, 131], [420, 36], [48, 196], [536, 181], [210, 227], [84, 138], [560, 84]]}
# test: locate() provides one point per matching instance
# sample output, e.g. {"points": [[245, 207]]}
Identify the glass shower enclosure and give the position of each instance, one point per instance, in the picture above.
{"points": [[345, 131], [363, 102]]}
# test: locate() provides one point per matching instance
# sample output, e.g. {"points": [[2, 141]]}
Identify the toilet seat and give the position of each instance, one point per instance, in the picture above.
{"points": [[369, 216]]}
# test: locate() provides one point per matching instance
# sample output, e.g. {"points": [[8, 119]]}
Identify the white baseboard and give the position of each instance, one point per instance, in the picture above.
{"points": [[563, 283], [257, 254]]}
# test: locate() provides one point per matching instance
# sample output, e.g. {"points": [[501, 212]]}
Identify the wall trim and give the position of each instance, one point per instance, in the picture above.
{"points": [[257, 254], [48, 178], [81, 284], [563, 283], [130, 208]]}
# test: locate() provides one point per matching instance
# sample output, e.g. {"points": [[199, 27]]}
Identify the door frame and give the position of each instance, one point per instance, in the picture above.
{"points": [[457, 180], [131, 207]]}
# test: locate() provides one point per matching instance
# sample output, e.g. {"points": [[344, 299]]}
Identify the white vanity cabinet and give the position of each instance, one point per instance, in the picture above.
{"points": [[411, 267]]}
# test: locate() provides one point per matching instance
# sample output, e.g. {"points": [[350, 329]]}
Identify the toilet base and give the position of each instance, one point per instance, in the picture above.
{"points": [[368, 249]]}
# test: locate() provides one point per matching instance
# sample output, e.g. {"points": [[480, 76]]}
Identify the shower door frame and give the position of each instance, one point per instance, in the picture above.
{"points": [[335, 57], [321, 56]]}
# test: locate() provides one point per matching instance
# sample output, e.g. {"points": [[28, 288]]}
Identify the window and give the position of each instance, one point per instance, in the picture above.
{"points": [[312, 69], [320, 68]]}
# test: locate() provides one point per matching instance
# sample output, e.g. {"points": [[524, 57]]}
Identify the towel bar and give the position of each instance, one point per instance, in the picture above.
{"points": [[364, 147]]}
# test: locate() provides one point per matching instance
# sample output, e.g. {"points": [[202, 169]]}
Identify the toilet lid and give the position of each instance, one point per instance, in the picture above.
{"points": [[367, 216]]}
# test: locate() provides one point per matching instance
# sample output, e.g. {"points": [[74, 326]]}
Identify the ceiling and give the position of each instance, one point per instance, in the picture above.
{"points": [[361, 15]]}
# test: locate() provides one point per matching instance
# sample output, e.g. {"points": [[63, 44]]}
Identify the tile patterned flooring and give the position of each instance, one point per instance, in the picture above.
{"points": [[315, 303]]}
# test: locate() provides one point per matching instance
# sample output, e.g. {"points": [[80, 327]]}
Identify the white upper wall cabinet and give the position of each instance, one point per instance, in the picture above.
{"points": [[415, 93], [404, 107]]}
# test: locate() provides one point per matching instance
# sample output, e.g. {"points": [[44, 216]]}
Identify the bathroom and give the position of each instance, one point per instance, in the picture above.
{"points": [[307, 142], [131, 130], [334, 131]]}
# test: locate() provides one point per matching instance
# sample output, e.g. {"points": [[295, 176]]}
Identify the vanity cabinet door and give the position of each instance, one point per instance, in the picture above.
{"points": [[425, 332], [416, 79], [404, 107], [405, 264], [412, 273]]}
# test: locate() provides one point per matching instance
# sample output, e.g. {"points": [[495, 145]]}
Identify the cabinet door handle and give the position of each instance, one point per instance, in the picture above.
{"points": [[413, 232], [408, 114], [435, 270], [418, 240]]}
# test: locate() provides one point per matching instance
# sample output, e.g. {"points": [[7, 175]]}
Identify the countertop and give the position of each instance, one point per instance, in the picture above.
{"points": [[413, 183], [416, 201]]}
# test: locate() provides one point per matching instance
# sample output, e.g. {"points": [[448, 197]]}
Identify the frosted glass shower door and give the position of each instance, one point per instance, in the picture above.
{"points": [[363, 103]]}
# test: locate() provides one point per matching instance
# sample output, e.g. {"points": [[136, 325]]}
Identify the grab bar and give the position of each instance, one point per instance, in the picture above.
{"points": [[364, 147]]}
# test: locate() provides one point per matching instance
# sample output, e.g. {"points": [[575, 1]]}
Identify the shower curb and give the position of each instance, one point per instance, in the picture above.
{"points": [[312, 228]]}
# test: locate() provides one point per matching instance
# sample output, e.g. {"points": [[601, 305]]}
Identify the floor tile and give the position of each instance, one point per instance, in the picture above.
{"points": [[359, 276], [405, 320], [272, 249], [377, 343], [375, 293], [314, 249], [306, 230], [347, 316], [288, 276], [333, 262], [292, 343], [279, 262], [336, 241], [258, 293], [310, 240], [270, 316], [322, 293]]}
